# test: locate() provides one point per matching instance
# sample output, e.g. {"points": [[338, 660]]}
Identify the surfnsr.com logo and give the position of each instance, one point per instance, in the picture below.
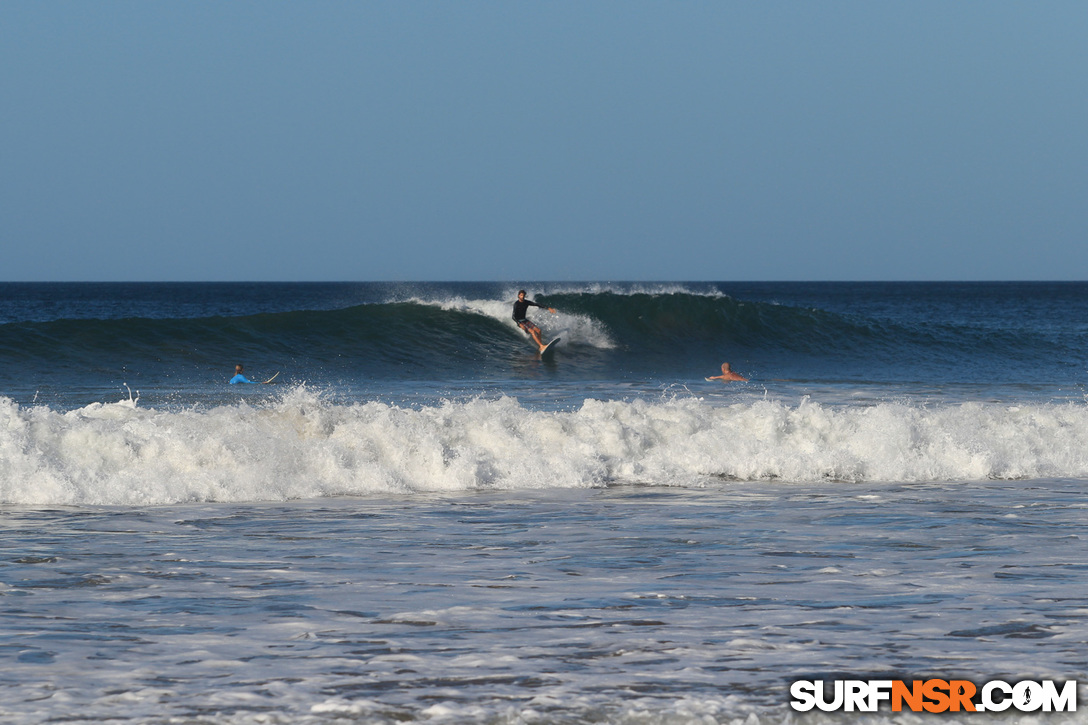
{"points": [[935, 696]]}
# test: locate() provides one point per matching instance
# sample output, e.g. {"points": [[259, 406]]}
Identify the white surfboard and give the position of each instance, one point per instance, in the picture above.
{"points": [[266, 382], [549, 349]]}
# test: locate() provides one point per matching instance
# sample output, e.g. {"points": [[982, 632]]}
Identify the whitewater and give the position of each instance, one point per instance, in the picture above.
{"points": [[427, 523], [301, 446]]}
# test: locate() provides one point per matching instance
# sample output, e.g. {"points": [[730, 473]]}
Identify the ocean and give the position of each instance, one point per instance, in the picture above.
{"points": [[420, 520]]}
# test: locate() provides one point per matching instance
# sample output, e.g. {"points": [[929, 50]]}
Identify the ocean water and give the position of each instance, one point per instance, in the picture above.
{"points": [[422, 521]]}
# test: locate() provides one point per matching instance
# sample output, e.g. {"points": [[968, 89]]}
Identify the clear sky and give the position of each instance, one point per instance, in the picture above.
{"points": [[558, 140]]}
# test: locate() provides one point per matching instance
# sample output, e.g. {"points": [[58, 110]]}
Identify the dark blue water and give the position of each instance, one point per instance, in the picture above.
{"points": [[70, 344]]}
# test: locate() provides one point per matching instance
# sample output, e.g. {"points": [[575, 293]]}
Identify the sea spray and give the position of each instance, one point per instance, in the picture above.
{"points": [[302, 445]]}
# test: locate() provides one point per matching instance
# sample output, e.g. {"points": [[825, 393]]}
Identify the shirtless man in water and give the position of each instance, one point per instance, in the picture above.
{"points": [[520, 308], [727, 374]]}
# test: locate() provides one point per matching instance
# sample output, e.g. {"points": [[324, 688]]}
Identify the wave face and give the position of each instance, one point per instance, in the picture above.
{"points": [[301, 446], [992, 334]]}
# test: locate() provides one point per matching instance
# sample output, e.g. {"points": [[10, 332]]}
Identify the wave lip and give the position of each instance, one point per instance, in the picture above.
{"points": [[303, 446]]}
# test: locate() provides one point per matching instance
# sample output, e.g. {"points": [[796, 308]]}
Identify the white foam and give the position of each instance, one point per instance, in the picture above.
{"points": [[577, 328], [626, 288], [581, 329], [304, 446]]}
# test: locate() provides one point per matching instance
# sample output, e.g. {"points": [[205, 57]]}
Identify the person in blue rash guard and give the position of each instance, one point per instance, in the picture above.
{"points": [[239, 378]]}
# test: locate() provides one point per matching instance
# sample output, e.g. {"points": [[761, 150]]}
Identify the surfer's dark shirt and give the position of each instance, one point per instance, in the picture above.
{"points": [[521, 307]]}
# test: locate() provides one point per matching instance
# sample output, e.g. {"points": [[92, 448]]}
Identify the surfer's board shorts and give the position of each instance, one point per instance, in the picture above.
{"points": [[526, 325]]}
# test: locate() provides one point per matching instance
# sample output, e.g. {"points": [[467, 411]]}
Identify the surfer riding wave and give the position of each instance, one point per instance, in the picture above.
{"points": [[521, 307]]}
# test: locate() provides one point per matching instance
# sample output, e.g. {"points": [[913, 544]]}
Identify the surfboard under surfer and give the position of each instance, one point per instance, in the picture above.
{"points": [[520, 308]]}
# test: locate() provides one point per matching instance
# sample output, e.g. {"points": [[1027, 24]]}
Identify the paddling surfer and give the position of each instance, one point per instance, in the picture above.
{"points": [[520, 308], [240, 378], [727, 374]]}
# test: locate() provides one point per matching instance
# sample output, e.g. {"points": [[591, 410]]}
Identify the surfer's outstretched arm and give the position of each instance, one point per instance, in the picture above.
{"points": [[728, 375]]}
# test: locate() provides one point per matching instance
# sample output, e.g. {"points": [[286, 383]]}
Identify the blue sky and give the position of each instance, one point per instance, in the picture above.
{"points": [[554, 140]]}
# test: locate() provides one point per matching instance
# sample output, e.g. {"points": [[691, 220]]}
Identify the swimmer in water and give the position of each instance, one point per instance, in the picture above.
{"points": [[240, 378], [727, 375]]}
